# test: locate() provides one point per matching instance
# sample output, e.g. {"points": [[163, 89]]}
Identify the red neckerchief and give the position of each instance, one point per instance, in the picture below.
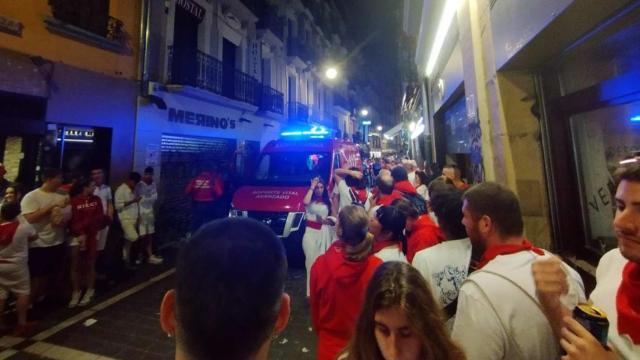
{"points": [[7, 231], [628, 302], [379, 245], [496, 250]]}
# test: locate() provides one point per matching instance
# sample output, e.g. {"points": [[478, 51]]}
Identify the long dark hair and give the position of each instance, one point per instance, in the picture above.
{"points": [[399, 284], [325, 195]]}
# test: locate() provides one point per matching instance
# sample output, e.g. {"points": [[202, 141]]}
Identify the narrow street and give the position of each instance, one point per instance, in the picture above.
{"points": [[124, 324]]}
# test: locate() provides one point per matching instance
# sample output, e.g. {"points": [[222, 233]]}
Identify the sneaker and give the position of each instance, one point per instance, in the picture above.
{"points": [[75, 299], [155, 260], [86, 299]]}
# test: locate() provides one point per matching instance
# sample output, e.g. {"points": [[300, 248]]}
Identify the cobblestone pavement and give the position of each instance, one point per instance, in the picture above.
{"points": [[125, 325]]}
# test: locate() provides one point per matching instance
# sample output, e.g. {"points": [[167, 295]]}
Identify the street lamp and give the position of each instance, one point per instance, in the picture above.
{"points": [[364, 112], [331, 73], [379, 127]]}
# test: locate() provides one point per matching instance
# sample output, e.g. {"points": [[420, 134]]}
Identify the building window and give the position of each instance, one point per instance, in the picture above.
{"points": [[603, 138], [90, 15]]}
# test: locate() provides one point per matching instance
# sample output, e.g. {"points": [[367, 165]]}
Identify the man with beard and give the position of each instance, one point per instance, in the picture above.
{"points": [[498, 315], [617, 290]]}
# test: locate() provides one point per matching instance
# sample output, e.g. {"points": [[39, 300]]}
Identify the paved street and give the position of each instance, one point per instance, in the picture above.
{"points": [[124, 324]]}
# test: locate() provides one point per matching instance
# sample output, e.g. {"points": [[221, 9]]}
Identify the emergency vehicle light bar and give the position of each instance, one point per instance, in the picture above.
{"points": [[314, 132]]}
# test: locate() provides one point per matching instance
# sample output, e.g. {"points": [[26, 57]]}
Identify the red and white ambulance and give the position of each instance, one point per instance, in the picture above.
{"points": [[278, 185]]}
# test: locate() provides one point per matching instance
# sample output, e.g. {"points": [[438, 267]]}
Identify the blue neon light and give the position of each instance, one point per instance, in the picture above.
{"points": [[315, 132], [635, 118]]}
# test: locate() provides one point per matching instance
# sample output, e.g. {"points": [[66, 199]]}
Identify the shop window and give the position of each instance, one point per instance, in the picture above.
{"points": [[602, 139], [457, 128]]}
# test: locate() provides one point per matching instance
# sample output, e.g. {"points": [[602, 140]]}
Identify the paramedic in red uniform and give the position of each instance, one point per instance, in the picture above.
{"points": [[339, 280], [204, 190]]}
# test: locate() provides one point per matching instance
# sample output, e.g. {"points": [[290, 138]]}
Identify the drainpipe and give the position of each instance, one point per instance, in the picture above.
{"points": [[143, 67]]}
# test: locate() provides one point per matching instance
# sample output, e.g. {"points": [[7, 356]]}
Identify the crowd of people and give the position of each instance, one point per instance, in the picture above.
{"points": [[52, 238], [387, 280]]}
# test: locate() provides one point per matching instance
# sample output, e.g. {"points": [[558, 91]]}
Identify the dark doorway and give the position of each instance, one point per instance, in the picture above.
{"points": [[185, 48]]}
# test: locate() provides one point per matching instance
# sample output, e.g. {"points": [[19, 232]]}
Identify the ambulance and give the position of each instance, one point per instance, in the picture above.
{"points": [[274, 194]]}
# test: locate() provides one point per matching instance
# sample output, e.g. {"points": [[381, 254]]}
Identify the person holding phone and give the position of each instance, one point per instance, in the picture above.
{"points": [[318, 234]]}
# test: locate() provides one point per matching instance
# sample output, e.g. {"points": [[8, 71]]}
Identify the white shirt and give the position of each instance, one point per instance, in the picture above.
{"points": [[608, 279], [423, 191], [17, 252], [123, 195], [412, 178], [104, 193], [345, 195], [149, 194], [444, 266], [391, 253], [48, 235], [497, 320]]}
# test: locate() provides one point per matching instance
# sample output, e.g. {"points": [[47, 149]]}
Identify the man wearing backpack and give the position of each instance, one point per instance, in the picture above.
{"points": [[402, 184], [498, 314]]}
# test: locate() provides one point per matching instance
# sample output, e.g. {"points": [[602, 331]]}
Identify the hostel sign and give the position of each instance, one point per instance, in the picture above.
{"points": [[192, 8]]}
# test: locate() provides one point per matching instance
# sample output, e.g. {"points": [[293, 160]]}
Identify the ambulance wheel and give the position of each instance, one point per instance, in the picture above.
{"points": [[293, 247]]}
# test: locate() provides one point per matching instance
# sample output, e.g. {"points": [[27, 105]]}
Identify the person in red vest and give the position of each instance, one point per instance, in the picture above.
{"points": [[204, 190], [339, 279], [422, 231]]}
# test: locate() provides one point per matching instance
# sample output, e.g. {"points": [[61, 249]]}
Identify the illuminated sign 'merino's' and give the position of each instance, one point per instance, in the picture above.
{"points": [[191, 118]]}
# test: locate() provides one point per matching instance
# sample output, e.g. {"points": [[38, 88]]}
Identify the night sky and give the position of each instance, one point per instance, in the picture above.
{"points": [[377, 24]]}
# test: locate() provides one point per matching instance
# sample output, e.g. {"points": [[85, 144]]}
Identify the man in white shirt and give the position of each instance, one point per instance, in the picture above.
{"points": [[411, 166], [343, 194], [148, 190], [498, 316], [103, 191], [41, 208], [446, 265], [617, 289], [128, 213]]}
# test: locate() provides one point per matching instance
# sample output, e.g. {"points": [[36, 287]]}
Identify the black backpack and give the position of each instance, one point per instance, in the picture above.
{"points": [[417, 201]]}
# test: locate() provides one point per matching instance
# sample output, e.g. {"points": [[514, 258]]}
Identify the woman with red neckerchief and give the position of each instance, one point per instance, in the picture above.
{"points": [[387, 225]]}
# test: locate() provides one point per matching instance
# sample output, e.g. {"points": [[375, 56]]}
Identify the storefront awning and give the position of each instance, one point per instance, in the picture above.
{"points": [[19, 75]]}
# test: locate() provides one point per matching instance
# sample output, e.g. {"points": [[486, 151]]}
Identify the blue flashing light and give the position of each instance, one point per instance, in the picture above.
{"points": [[635, 118], [316, 132]]}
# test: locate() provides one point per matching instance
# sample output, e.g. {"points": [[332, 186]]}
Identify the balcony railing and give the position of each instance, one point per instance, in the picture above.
{"points": [[272, 100], [298, 111], [208, 73]]}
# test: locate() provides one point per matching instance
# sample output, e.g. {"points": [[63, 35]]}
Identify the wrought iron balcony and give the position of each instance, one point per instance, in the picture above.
{"points": [[209, 73], [272, 100], [298, 111]]}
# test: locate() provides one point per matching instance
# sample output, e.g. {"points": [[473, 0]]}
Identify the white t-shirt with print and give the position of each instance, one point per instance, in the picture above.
{"points": [[608, 279], [48, 235], [444, 266], [17, 252]]}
